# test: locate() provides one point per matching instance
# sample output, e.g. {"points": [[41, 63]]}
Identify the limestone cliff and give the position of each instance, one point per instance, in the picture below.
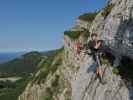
{"points": [[71, 76]]}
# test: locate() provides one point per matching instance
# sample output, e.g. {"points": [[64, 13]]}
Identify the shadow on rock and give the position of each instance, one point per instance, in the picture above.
{"points": [[92, 68]]}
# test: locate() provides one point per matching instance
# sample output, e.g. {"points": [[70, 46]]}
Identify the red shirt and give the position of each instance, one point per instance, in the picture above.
{"points": [[78, 45]]}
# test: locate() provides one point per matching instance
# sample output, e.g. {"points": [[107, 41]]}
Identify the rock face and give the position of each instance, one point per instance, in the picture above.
{"points": [[78, 70], [116, 29], [86, 86]]}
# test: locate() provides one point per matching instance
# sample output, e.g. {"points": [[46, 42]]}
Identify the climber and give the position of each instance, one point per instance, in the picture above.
{"points": [[78, 48], [95, 45]]}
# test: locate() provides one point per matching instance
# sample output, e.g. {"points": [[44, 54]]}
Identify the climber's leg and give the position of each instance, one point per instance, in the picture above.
{"points": [[99, 71], [98, 74]]}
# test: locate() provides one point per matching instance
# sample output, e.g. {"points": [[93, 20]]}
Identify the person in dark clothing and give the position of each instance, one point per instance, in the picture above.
{"points": [[95, 45]]}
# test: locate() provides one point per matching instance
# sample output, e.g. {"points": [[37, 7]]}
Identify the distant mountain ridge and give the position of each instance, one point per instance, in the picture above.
{"points": [[22, 63], [7, 56]]}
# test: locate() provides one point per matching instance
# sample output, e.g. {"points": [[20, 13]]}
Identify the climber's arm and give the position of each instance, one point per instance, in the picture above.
{"points": [[97, 46]]}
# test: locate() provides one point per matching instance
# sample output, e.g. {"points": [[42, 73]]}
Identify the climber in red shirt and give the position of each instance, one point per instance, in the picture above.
{"points": [[78, 48]]}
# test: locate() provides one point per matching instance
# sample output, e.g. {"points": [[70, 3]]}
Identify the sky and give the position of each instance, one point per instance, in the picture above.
{"points": [[38, 25]]}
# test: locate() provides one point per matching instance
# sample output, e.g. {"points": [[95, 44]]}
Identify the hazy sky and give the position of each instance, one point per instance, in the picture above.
{"points": [[39, 24]]}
